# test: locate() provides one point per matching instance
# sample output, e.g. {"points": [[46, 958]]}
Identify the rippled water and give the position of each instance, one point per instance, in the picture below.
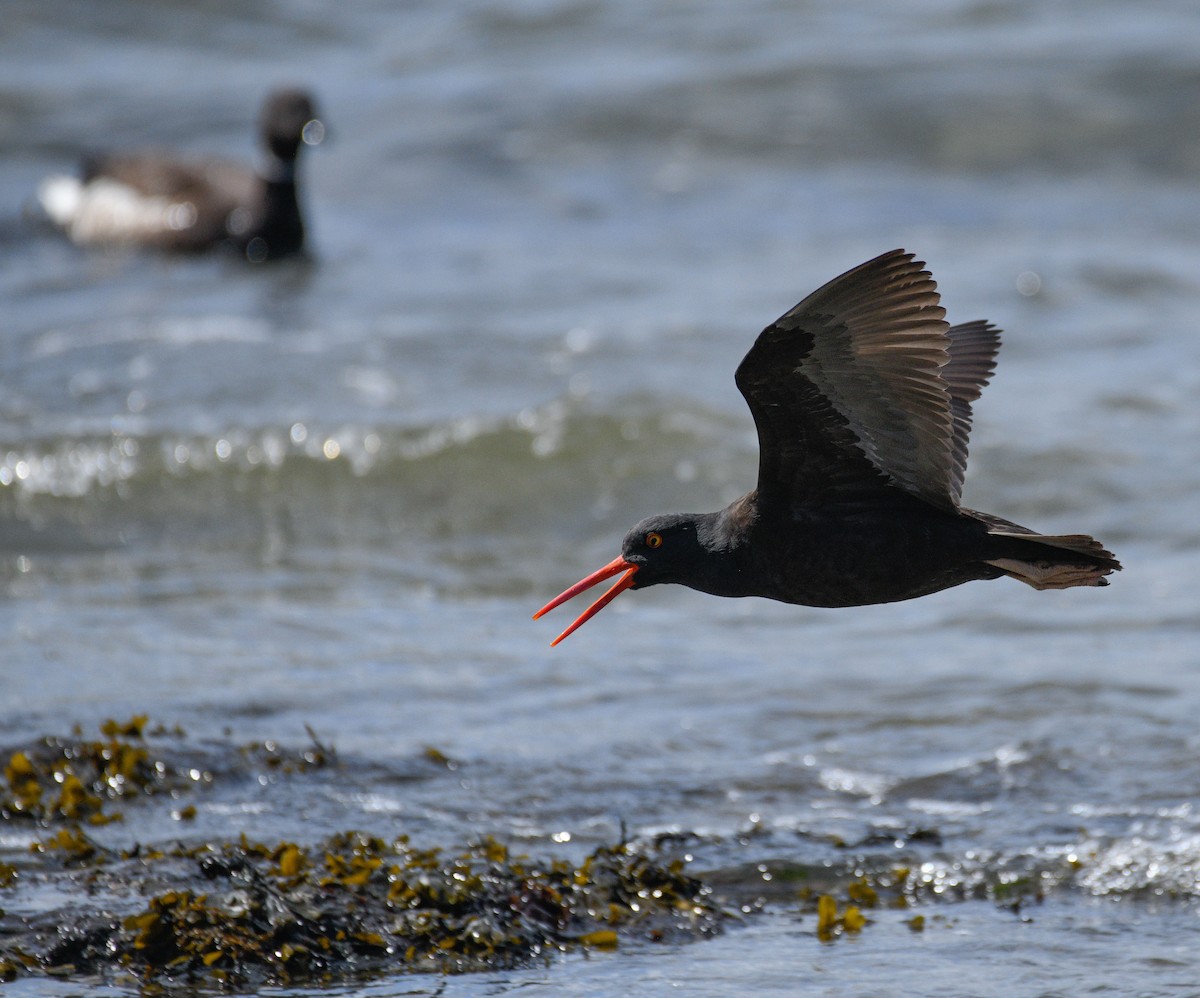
{"points": [[331, 493]]}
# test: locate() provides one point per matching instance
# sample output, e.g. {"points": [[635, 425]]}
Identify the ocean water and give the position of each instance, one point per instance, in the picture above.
{"points": [[331, 492]]}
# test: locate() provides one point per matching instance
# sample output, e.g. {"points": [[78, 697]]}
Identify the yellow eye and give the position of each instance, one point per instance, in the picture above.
{"points": [[654, 539]]}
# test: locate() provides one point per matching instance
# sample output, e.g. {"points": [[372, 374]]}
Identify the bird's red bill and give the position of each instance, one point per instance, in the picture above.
{"points": [[614, 567]]}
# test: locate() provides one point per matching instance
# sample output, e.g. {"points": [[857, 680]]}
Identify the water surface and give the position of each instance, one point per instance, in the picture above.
{"points": [[245, 499]]}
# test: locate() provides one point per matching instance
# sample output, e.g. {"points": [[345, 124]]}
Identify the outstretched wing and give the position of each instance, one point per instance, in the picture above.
{"points": [[848, 389], [973, 348]]}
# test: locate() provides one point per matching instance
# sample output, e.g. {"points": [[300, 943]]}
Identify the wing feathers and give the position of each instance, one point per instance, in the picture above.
{"points": [[973, 348], [865, 383]]}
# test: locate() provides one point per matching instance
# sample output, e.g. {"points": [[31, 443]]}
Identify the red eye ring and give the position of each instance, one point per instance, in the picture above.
{"points": [[654, 539]]}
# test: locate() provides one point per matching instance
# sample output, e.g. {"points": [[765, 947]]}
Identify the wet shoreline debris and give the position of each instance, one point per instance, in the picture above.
{"points": [[246, 913], [357, 905], [228, 911]]}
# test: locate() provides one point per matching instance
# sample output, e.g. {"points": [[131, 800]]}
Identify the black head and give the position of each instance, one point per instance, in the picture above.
{"points": [[289, 118], [671, 547], [668, 547]]}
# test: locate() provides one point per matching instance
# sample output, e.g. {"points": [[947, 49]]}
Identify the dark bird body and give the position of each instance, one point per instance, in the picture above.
{"points": [[861, 395], [157, 200]]}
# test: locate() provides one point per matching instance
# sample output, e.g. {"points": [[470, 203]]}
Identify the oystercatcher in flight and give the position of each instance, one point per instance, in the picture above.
{"points": [[862, 398]]}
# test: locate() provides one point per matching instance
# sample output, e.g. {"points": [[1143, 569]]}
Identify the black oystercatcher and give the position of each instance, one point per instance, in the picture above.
{"points": [[154, 199], [862, 397]]}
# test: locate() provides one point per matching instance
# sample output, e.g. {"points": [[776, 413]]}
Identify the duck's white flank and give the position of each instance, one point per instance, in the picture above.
{"points": [[105, 211]]}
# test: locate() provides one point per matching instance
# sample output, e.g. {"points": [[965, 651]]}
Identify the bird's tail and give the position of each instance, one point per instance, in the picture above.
{"points": [[1052, 561]]}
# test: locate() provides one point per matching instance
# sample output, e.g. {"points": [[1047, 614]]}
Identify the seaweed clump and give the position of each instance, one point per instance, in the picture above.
{"points": [[76, 779], [248, 913], [245, 913]]}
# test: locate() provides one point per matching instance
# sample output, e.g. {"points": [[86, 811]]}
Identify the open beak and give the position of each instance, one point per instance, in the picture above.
{"points": [[614, 567]]}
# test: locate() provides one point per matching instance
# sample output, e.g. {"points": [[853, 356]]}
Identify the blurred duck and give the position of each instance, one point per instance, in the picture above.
{"points": [[157, 200]]}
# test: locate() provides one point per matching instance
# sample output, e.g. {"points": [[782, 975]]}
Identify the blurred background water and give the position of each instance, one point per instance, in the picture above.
{"points": [[330, 492]]}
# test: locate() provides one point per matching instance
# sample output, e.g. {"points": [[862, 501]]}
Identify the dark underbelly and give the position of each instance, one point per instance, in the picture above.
{"points": [[873, 559]]}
